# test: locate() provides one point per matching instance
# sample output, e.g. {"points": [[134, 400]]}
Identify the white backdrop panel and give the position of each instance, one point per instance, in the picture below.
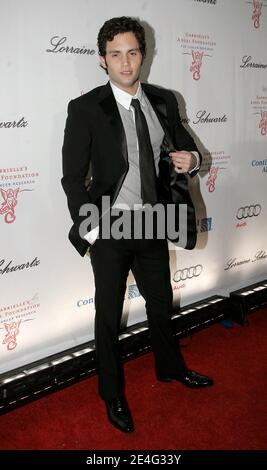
{"points": [[46, 288]]}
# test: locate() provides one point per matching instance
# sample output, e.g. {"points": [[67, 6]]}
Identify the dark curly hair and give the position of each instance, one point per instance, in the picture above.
{"points": [[122, 24]]}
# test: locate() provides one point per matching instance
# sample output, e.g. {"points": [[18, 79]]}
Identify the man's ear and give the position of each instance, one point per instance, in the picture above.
{"points": [[103, 61]]}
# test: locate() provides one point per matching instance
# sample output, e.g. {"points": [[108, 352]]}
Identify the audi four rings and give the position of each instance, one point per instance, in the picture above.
{"points": [[188, 273], [248, 211]]}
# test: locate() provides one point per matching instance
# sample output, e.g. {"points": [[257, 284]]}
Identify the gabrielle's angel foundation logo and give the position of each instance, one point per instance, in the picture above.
{"points": [[263, 122], [196, 46], [15, 183], [7, 208], [257, 7], [195, 67], [213, 173], [12, 318], [12, 331]]}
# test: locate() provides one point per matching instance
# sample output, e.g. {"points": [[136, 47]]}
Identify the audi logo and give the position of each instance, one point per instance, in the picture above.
{"points": [[188, 273], [248, 211]]}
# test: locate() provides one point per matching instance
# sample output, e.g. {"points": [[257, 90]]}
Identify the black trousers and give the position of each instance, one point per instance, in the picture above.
{"points": [[149, 261]]}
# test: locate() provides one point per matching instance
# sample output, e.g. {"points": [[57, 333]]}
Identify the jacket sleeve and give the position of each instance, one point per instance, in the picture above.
{"points": [[183, 140], [76, 159]]}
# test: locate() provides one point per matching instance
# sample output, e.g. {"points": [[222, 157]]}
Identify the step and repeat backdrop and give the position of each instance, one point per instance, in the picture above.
{"points": [[212, 55]]}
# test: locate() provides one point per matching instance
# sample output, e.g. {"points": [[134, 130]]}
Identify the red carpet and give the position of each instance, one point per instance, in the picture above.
{"points": [[229, 415]]}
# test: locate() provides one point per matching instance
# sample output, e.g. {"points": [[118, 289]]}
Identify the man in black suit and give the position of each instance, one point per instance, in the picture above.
{"points": [[130, 136]]}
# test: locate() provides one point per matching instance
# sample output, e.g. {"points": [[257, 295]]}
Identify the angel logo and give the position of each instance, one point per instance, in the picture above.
{"points": [[196, 64], [213, 172], [257, 6], [263, 123], [12, 330], [8, 206]]}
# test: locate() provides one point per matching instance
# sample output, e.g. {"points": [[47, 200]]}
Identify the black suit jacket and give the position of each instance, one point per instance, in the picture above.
{"points": [[95, 137]]}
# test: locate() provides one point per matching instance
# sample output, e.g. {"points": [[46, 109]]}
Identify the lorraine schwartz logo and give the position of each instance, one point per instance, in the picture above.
{"points": [[234, 263], [12, 180], [197, 46], [14, 124], [13, 316], [7, 268], [247, 62], [204, 117], [57, 47]]}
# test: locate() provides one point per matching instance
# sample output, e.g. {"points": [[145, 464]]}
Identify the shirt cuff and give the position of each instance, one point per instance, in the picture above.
{"points": [[92, 235], [196, 167]]}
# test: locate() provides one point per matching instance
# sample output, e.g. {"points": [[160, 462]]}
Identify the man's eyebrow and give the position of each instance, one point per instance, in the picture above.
{"points": [[116, 51]]}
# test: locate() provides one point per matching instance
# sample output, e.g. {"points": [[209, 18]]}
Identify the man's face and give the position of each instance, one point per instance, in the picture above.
{"points": [[123, 61]]}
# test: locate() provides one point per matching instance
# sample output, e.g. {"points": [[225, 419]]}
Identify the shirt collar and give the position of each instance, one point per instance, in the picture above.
{"points": [[124, 98]]}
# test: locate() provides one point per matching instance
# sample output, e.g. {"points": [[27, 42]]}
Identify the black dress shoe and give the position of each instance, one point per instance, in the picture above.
{"points": [[190, 379], [119, 414]]}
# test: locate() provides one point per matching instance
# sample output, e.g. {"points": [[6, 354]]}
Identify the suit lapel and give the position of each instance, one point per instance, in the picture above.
{"points": [[110, 108], [160, 108]]}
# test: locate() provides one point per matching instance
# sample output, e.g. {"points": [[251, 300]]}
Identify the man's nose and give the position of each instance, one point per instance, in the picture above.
{"points": [[125, 60]]}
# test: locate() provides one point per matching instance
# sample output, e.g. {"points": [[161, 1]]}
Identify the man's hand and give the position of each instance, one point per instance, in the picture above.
{"points": [[183, 161]]}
